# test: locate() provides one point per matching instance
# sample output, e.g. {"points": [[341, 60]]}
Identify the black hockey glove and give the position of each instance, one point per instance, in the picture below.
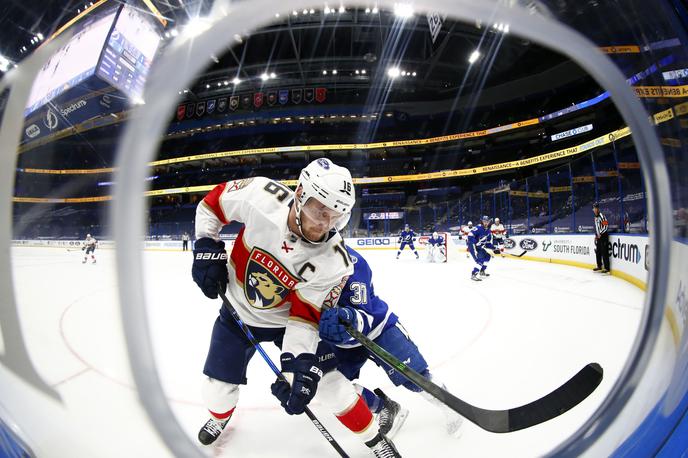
{"points": [[497, 251], [209, 269], [307, 374]]}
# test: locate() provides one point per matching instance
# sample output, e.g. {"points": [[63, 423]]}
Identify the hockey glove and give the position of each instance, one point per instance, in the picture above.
{"points": [[209, 269], [332, 322], [306, 373]]}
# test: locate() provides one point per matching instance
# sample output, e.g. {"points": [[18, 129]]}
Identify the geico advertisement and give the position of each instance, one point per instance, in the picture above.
{"points": [[371, 242]]}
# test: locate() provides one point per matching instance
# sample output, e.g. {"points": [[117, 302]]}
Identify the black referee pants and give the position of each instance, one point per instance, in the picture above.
{"points": [[602, 251]]}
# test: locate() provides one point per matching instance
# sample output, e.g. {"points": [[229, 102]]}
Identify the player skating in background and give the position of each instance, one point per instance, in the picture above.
{"points": [[369, 314], [436, 248], [498, 234], [286, 261], [89, 247], [407, 237], [480, 239], [465, 230]]}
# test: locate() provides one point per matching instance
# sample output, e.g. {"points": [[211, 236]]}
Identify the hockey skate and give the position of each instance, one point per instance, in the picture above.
{"points": [[83, 262], [382, 447], [474, 277], [212, 430], [392, 416], [484, 274]]}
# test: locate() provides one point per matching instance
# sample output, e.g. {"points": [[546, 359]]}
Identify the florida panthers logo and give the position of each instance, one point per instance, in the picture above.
{"points": [[267, 282]]}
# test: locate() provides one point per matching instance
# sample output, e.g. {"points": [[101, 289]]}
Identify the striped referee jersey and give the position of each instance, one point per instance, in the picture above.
{"points": [[601, 224]]}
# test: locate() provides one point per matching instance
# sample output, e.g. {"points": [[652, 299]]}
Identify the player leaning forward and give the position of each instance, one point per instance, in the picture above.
{"points": [[286, 262]]}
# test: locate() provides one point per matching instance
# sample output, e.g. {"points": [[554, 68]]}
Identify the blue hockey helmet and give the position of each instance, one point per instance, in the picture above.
{"points": [[485, 218]]}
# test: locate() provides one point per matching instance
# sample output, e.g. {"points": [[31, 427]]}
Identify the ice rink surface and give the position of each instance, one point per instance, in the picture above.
{"points": [[496, 344]]}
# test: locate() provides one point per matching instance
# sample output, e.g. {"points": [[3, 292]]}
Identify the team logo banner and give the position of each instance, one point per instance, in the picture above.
{"points": [[221, 104], [210, 106], [320, 94], [283, 96], [181, 109], [296, 95], [308, 94], [258, 99], [190, 108], [200, 109], [267, 283], [245, 101], [272, 98], [234, 102]]}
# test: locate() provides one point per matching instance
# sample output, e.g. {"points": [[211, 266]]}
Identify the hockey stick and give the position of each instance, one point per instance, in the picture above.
{"points": [[570, 394], [279, 374], [516, 255]]}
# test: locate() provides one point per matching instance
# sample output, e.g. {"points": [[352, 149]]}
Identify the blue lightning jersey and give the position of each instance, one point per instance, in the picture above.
{"points": [[439, 241], [407, 236], [480, 236], [373, 315]]}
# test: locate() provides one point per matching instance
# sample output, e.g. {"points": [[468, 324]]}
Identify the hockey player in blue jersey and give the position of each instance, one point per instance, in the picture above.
{"points": [[479, 239], [407, 237], [369, 314], [436, 249]]}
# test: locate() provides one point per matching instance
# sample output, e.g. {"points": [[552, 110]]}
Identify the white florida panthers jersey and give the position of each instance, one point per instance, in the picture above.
{"points": [[497, 230], [275, 278]]}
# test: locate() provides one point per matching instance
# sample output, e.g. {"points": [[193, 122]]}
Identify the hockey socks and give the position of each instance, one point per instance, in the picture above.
{"points": [[358, 418], [374, 402]]}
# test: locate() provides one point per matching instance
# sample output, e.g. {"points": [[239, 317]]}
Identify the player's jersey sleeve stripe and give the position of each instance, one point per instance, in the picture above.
{"points": [[212, 201], [239, 257], [302, 310]]}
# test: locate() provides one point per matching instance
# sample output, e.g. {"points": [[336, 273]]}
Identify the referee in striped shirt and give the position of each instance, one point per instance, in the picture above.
{"points": [[601, 240]]}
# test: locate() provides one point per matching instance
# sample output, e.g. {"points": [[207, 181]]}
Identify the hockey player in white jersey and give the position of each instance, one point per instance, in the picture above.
{"points": [[465, 231], [498, 234], [436, 248], [89, 247], [286, 261]]}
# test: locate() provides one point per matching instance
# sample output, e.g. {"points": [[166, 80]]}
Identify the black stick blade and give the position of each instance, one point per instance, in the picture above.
{"points": [[564, 398]]}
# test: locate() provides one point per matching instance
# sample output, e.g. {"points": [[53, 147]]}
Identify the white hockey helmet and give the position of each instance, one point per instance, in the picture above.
{"points": [[496, 220], [88, 236], [331, 185], [435, 235], [470, 224]]}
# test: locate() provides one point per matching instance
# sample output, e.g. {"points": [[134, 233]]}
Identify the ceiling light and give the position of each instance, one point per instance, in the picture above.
{"points": [[195, 27], [358, 72], [324, 72], [327, 10], [40, 36], [276, 14], [219, 84], [403, 10], [363, 72], [305, 11], [273, 75], [367, 10], [312, 11], [403, 73], [393, 72], [4, 63], [375, 10], [474, 56], [236, 80], [207, 86], [265, 77], [341, 9], [414, 73], [295, 13], [226, 83], [334, 72]]}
